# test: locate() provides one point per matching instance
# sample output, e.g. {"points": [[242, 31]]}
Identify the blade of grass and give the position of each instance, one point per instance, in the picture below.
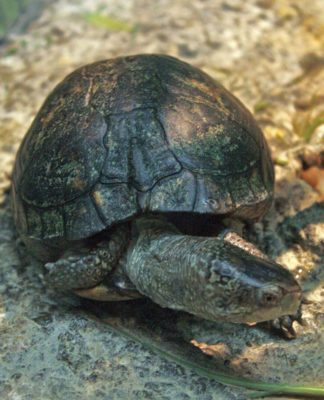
{"points": [[309, 130], [107, 22], [226, 379], [263, 395]]}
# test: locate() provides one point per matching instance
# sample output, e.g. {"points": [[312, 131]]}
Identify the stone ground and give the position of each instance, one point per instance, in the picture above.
{"points": [[270, 54]]}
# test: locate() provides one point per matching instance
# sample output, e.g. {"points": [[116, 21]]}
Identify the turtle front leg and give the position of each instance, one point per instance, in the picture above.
{"points": [[231, 236], [87, 266]]}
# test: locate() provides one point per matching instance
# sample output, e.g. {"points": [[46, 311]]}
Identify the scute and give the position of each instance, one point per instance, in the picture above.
{"points": [[175, 194], [65, 157], [138, 152], [115, 202], [82, 219], [132, 135], [220, 149]]}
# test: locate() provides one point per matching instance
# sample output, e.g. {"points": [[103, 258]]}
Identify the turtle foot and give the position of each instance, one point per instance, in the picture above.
{"points": [[75, 271], [85, 266], [284, 326]]}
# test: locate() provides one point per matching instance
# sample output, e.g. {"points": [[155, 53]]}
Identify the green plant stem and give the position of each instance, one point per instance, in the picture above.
{"points": [[264, 388], [312, 126]]}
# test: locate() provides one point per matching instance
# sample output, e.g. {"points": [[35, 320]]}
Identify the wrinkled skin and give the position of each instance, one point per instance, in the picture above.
{"points": [[213, 278]]}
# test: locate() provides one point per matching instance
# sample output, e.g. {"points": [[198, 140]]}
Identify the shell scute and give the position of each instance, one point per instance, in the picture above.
{"points": [[115, 201], [65, 158], [81, 219], [138, 151]]}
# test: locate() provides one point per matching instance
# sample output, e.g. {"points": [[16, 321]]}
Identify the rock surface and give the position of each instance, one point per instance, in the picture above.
{"points": [[270, 54]]}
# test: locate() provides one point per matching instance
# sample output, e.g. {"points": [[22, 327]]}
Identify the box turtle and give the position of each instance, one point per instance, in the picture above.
{"points": [[122, 182]]}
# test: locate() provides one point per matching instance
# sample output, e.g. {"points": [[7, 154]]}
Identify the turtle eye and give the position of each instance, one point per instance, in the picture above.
{"points": [[270, 298]]}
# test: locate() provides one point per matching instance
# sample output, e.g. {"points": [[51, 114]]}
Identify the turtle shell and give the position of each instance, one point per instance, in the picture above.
{"points": [[133, 135]]}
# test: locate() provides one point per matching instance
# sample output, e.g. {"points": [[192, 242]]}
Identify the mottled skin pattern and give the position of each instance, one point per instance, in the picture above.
{"points": [[122, 140], [88, 264], [208, 276]]}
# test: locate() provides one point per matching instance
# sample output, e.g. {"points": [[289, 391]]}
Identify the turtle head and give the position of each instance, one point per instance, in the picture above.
{"points": [[241, 287], [208, 276]]}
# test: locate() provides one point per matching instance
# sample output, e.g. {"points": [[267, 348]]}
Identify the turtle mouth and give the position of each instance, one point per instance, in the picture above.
{"points": [[288, 305], [291, 301]]}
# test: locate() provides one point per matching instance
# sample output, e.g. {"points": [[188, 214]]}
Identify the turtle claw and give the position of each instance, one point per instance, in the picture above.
{"points": [[284, 325]]}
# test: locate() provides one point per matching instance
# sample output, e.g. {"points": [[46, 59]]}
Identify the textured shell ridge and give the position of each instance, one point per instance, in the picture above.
{"points": [[138, 152], [138, 134]]}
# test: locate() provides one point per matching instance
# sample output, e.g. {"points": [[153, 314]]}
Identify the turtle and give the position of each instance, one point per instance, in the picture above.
{"points": [[126, 184]]}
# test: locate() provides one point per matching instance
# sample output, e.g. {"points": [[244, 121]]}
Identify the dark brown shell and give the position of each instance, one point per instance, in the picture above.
{"points": [[146, 133]]}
